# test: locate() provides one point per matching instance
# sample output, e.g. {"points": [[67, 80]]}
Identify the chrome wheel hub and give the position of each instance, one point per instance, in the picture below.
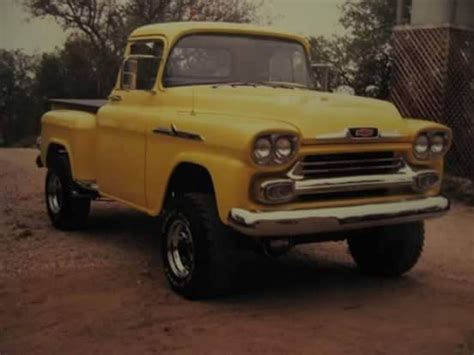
{"points": [[54, 191], [180, 249]]}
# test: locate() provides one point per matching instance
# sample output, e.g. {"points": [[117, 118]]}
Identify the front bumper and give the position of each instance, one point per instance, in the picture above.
{"points": [[323, 220]]}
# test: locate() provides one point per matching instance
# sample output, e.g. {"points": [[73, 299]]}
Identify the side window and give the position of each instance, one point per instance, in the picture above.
{"points": [[140, 69], [153, 48]]}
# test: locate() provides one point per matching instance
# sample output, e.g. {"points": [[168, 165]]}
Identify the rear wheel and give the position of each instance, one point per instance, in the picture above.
{"points": [[387, 251], [196, 252], [66, 211]]}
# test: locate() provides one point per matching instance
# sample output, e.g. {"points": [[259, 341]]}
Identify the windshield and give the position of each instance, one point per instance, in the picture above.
{"points": [[220, 59]]}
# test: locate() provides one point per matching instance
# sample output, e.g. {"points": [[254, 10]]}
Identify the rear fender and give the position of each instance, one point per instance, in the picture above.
{"points": [[47, 150]]}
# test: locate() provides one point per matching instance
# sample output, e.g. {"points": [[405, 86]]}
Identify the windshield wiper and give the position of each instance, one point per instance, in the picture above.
{"points": [[285, 85], [238, 83], [271, 84]]}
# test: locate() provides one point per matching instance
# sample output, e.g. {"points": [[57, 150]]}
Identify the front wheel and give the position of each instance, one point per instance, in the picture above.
{"points": [[66, 211], [196, 251], [387, 251]]}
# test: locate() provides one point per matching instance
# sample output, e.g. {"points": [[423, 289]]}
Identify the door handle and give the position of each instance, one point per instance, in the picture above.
{"points": [[115, 98]]}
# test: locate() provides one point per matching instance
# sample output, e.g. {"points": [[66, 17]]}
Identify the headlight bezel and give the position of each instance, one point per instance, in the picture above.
{"points": [[276, 158], [431, 136], [422, 154], [256, 158], [445, 143]]}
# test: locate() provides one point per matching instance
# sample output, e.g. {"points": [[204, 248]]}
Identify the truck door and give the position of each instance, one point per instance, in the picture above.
{"points": [[122, 125]]}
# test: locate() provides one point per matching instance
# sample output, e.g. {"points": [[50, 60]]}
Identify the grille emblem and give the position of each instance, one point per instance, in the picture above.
{"points": [[364, 132]]}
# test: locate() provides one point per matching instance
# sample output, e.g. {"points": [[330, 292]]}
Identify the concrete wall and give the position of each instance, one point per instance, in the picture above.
{"points": [[434, 12]]}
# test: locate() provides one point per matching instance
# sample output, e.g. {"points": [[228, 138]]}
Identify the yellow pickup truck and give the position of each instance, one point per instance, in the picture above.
{"points": [[220, 131]]}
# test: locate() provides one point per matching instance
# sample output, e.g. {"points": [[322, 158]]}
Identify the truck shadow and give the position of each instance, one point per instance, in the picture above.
{"points": [[310, 277], [310, 274], [112, 223], [316, 270]]}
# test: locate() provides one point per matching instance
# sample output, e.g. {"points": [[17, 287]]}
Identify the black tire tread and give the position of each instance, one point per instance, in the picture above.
{"points": [[75, 210], [215, 264], [390, 251]]}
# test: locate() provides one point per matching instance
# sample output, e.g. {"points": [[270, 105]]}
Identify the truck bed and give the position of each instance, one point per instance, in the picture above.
{"points": [[89, 105]]}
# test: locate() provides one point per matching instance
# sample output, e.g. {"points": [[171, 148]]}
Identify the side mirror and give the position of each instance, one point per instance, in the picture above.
{"points": [[139, 72], [322, 74]]}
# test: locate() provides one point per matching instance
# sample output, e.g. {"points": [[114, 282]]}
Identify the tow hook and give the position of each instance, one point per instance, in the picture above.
{"points": [[39, 163], [38, 143], [276, 247]]}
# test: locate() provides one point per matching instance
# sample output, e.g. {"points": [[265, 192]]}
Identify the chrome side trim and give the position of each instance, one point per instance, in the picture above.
{"points": [[323, 220], [173, 132]]}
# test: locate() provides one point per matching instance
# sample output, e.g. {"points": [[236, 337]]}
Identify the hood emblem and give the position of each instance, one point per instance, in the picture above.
{"points": [[363, 133]]}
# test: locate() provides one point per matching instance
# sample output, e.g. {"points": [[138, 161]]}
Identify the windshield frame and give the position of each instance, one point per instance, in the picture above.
{"points": [[311, 82]]}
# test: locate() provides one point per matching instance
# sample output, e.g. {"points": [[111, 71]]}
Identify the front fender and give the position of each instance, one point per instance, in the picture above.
{"points": [[231, 180]]}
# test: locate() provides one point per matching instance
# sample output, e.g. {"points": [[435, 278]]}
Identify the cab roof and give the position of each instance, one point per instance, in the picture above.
{"points": [[174, 30]]}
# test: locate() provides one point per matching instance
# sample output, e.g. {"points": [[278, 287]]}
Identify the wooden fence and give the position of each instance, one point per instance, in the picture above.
{"points": [[433, 78]]}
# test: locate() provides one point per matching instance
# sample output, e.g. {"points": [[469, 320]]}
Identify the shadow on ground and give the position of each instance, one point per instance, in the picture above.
{"points": [[310, 269]]}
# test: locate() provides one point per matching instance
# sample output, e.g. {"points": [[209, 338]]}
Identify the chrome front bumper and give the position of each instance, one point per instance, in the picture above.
{"points": [[303, 222]]}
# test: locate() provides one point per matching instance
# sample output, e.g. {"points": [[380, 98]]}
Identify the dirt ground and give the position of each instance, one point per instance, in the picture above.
{"points": [[102, 290]]}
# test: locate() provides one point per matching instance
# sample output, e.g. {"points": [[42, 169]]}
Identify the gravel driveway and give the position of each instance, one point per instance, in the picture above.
{"points": [[102, 290]]}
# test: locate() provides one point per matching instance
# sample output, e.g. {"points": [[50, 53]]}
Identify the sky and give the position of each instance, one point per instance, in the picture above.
{"points": [[309, 17]]}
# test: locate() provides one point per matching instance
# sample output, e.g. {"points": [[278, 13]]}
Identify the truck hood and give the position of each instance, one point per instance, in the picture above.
{"points": [[314, 114]]}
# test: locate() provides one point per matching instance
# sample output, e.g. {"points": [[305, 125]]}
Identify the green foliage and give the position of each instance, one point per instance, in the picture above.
{"points": [[69, 72], [362, 55], [104, 25], [87, 65], [17, 100]]}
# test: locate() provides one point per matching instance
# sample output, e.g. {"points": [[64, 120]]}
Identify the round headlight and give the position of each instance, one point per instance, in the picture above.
{"points": [[274, 149], [262, 150], [438, 144], [421, 146], [283, 148]]}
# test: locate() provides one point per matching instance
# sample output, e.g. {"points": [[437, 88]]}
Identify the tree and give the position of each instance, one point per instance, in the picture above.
{"points": [[362, 56], [97, 22], [106, 24], [87, 65], [68, 72], [141, 12], [17, 103]]}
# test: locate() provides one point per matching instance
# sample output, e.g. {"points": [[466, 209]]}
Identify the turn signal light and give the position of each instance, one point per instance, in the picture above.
{"points": [[426, 181]]}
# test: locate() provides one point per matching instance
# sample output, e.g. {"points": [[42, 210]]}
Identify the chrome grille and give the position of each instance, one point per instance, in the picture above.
{"points": [[350, 164]]}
